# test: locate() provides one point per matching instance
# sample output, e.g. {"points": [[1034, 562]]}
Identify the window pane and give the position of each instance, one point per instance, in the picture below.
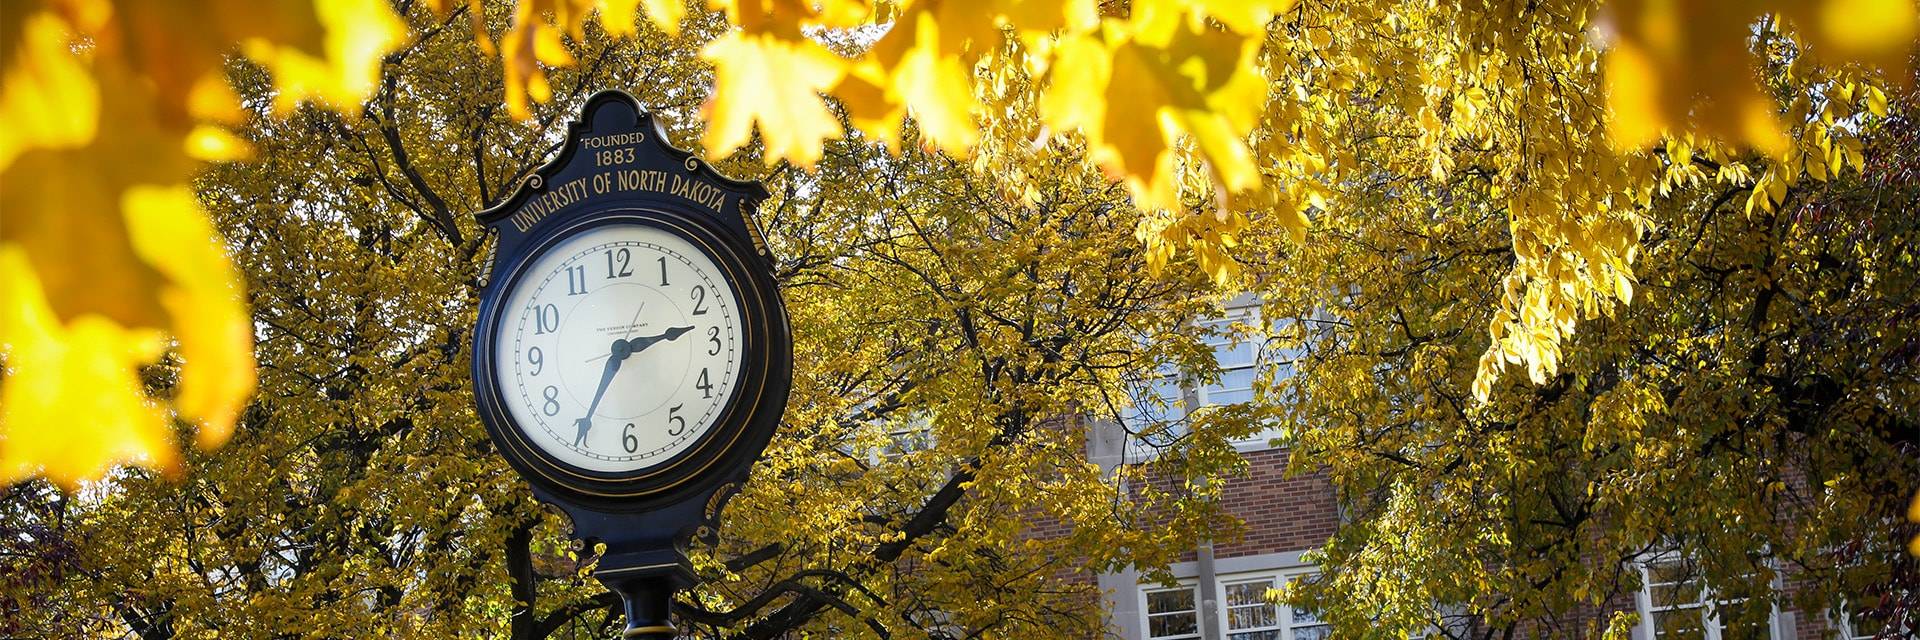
{"points": [[1271, 634], [1669, 572], [1866, 625], [1157, 399], [1682, 594], [1224, 396], [1678, 623], [1745, 631], [1169, 601], [1247, 593], [1313, 633], [1176, 624], [1234, 354], [1252, 617]]}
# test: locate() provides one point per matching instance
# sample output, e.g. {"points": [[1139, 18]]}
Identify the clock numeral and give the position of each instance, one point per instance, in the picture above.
{"points": [[713, 336], [679, 424], [552, 406], [627, 440], [576, 279], [706, 388], [546, 319], [624, 257], [663, 271], [699, 300], [538, 359]]}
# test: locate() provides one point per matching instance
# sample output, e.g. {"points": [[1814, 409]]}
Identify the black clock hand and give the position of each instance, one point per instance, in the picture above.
{"points": [[647, 341], [621, 349], [636, 344]]}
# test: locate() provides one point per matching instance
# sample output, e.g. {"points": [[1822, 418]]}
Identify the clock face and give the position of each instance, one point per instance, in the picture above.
{"points": [[618, 347]]}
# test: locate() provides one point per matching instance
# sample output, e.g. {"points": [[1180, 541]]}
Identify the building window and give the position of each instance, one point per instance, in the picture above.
{"points": [[1675, 603], [1247, 614], [1171, 614], [1237, 356], [1167, 396], [914, 436]]}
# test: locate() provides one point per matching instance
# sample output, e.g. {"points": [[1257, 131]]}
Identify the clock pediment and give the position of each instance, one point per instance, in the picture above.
{"points": [[615, 154]]}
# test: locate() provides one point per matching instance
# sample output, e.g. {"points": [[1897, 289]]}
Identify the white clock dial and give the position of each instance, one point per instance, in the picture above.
{"points": [[618, 347]]}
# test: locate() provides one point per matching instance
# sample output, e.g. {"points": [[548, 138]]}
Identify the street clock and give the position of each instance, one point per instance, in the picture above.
{"points": [[631, 354]]}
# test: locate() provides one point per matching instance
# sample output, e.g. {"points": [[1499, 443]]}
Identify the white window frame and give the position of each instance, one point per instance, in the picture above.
{"points": [[1195, 395], [1283, 614], [1710, 624], [1280, 613], [1147, 614]]}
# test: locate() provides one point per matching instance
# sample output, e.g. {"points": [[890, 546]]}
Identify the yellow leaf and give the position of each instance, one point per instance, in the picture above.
{"points": [[863, 92], [211, 99], [1081, 68], [773, 82], [619, 17], [666, 14], [937, 91], [48, 100], [62, 207], [214, 144], [528, 43], [1633, 98], [358, 34], [208, 311], [1863, 28], [1248, 17], [1199, 85], [1876, 101], [73, 404]]}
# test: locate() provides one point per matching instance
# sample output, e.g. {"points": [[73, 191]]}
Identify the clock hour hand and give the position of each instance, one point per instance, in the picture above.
{"points": [[620, 351], [636, 344], [647, 341]]}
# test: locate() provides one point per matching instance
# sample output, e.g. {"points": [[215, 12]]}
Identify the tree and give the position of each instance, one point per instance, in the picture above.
{"points": [[360, 496], [1751, 409]]}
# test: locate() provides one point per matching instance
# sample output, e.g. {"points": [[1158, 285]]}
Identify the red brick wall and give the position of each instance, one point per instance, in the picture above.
{"points": [[1281, 513]]}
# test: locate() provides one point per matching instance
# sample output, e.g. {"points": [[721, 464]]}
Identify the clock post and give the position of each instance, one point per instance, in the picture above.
{"points": [[631, 354]]}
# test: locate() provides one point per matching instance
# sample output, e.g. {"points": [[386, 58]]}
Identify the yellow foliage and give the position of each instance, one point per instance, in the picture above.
{"points": [[784, 77], [72, 406], [111, 261]]}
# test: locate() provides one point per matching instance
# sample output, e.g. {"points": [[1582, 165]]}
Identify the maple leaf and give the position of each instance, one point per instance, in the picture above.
{"points": [[203, 300], [1201, 84], [530, 42], [764, 80], [109, 257], [48, 100], [936, 89], [72, 405]]}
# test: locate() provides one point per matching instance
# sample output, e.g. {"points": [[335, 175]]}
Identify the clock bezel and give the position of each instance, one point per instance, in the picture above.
{"points": [[759, 315]]}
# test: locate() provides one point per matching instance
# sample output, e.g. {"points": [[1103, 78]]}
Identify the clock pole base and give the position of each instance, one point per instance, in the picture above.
{"points": [[648, 600], [647, 595]]}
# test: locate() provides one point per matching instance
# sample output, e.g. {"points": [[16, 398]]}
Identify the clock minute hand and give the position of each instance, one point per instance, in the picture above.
{"points": [[620, 350]]}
